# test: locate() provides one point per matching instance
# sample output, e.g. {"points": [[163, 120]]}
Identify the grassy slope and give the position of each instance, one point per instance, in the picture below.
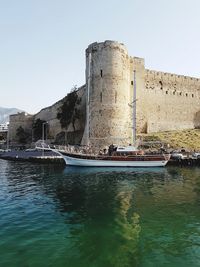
{"points": [[189, 139]]}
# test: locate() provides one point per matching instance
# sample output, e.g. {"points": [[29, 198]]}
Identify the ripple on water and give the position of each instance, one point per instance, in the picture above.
{"points": [[55, 216]]}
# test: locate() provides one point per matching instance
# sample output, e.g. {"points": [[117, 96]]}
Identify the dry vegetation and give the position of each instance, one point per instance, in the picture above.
{"points": [[188, 139]]}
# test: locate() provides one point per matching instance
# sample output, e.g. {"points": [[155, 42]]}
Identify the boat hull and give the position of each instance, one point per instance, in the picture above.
{"points": [[110, 162]]}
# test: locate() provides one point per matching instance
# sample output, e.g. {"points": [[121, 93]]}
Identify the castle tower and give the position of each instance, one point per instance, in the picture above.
{"points": [[108, 95]]}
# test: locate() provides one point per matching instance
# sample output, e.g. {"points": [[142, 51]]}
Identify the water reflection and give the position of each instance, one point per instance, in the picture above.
{"points": [[112, 217], [89, 170], [108, 238]]}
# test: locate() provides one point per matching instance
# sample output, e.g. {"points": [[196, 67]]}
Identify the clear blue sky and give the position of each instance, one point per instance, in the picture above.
{"points": [[43, 42]]}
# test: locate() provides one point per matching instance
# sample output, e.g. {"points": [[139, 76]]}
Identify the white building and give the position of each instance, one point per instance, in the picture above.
{"points": [[4, 127]]}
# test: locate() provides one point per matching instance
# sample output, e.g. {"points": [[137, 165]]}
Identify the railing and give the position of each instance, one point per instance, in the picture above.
{"points": [[75, 149]]}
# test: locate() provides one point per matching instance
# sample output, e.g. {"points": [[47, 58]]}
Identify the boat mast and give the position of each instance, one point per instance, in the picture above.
{"points": [[134, 107], [88, 99]]}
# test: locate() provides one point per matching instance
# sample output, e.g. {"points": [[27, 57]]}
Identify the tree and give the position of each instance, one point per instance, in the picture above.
{"points": [[68, 113], [37, 129], [22, 135]]}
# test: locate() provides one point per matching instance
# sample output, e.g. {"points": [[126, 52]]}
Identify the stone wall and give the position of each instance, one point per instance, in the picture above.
{"points": [[75, 132], [108, 94], [20, 119], [49, 115], [164, 101], [172, 102]]}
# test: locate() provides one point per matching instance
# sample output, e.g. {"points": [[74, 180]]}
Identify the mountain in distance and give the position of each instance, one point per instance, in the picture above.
{"points": [[6, 112]]}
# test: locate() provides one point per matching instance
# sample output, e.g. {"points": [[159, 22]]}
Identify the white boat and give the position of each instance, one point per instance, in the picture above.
{"points": [[121, 159], [118, 157]]}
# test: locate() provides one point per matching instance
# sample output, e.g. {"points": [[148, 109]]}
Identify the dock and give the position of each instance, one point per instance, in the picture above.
{"points": [[38, 156], [50, 156], [187, 162]]}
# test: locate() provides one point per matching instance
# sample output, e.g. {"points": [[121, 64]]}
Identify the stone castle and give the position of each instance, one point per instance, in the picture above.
{"points": [[163, 101]]}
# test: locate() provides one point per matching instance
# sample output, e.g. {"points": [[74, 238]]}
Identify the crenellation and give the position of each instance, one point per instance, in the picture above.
{"points": [[164, 101]]}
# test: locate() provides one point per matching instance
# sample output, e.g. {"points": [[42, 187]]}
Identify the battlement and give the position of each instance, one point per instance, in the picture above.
{"points": [[106, 44], [164, 101], [172, 77], [172, 82]]}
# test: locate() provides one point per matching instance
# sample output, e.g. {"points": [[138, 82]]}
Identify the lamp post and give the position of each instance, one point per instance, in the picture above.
{"points": [[8, 138], [43, 137], [134, 107], [65, 138], [32, 135]]}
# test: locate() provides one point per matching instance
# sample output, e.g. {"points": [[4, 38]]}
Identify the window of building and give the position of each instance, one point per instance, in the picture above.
{"points": [[101, 73], [101, 97], [161, 85]]}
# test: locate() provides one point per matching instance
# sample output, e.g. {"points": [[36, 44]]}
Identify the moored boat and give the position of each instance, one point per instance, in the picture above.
{"points": [[118, 158]]}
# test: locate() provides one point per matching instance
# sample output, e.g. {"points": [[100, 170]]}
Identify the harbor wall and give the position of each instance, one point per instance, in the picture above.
{"points": [[49, 114], [171, 102], [108, 94], [164, 101], [55, 131]]}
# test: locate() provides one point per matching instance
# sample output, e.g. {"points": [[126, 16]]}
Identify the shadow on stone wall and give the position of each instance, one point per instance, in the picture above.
{"points": [[72, 138], [144, 128], [196, 120]]}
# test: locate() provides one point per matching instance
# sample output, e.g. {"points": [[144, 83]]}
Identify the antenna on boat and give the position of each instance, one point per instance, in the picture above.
{"points": [[134, 107], [88, 99]]}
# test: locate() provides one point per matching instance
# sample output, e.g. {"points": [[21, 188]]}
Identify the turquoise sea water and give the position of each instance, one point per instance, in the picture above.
{"points": [[64, 216]]}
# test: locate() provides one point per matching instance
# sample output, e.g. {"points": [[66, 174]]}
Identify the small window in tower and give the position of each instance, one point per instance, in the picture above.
{"points": [[166, 92], [131, 82], [101, 97], [161, 85], [192, 95], [186, 94], [101, 73]]}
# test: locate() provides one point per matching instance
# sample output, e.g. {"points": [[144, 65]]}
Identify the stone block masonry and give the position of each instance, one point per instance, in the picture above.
{"points": [[164, 101]]}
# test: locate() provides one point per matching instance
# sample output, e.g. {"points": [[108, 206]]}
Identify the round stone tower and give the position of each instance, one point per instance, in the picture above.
{"points": [[108, 96]]}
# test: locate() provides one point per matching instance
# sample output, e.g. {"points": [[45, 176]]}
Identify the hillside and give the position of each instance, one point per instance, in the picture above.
{"points": [[188, 139], [5, 112]]}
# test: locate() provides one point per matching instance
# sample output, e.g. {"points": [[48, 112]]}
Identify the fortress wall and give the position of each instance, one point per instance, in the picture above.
{"points": [[49, 114], [109, 114], [79, 123], [20, 119], [165, 101], [172, 102]]}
